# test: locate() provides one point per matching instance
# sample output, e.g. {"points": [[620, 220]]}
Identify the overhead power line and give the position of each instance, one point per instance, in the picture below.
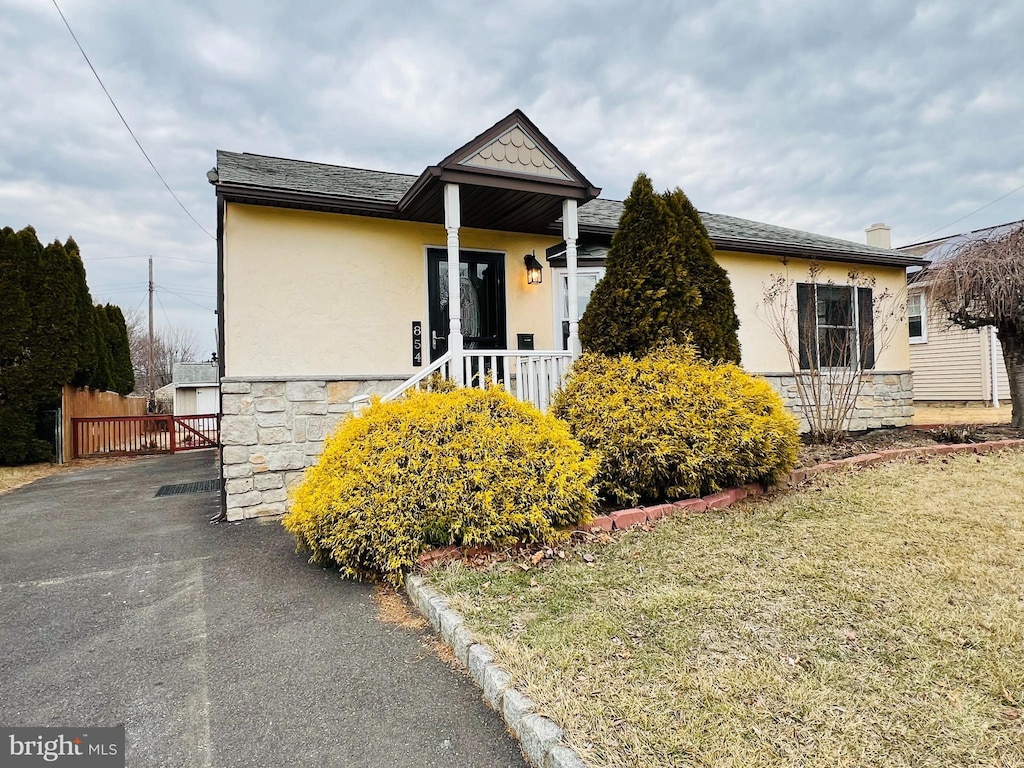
{"points": [[175, 258], [186, 298], [967, 216], [130, 131]]}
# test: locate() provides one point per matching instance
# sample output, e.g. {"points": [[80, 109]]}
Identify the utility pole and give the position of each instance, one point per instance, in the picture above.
{"points": [[152, 389]]}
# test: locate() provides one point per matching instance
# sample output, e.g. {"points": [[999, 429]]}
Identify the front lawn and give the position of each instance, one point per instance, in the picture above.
{"points": [[876, 618]]}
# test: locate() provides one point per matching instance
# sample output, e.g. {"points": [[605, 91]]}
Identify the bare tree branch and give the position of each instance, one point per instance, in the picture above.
{"points": [[170, 345], [981, 283]]}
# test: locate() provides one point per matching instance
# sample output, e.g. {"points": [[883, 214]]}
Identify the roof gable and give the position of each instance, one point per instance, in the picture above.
{"points": [[516, 151], [514, 145], [512, 177]]}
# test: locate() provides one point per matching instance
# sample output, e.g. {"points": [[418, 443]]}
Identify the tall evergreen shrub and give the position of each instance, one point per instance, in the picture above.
{"points": [[661, 283], [38, 340], [115, 334], [713, 325], [51, 334]]}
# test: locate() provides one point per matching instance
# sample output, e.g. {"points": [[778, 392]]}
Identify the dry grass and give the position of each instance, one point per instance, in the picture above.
{"points": [[935, 414], [15, 477], [876, 618], [393, 609]]}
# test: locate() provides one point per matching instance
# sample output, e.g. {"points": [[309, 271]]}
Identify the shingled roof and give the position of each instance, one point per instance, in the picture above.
{"points": [[262, 180]]}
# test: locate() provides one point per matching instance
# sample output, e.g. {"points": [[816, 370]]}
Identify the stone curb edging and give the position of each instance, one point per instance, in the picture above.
{"points": [[627, 518], [540, 736]]}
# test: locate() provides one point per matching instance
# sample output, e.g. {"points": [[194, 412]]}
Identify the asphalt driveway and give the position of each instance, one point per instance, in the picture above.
{"points": [[215, 645]]}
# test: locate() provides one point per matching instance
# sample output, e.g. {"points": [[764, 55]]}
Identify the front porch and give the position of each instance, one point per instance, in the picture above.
{"points": [[531, 376], [512, 178]]}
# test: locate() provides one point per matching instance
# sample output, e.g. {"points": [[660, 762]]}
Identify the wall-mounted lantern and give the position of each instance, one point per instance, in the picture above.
{"points": [[534, 271]]}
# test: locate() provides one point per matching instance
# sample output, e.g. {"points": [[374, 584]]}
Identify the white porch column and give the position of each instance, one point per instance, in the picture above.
{"points": [[452, 221], [570, 233]]}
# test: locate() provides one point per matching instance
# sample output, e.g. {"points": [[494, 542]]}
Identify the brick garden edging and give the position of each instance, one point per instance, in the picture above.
{"points": [[540, 736], [627, 518]]}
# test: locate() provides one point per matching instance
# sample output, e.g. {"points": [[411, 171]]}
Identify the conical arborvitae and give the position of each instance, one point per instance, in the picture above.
{"points": [[45, 345], [645, 297], [17, 408], [50, 333], [662, 283], [713, 325], [93, 356], [122, 375]]}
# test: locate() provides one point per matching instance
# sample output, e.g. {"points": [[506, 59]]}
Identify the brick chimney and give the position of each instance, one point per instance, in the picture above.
{"points": [[878, 235]]}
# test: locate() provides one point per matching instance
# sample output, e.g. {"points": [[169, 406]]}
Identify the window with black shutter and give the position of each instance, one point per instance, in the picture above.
{"points": [[806, 326], [835, 325], [866, 327]]}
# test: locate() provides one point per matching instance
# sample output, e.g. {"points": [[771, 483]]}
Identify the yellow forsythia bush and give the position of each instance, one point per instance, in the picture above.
{"points": [[671, 425], [462, 467]]}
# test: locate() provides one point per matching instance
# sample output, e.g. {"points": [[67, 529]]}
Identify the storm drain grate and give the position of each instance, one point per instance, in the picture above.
{"points": [[201, 487]]}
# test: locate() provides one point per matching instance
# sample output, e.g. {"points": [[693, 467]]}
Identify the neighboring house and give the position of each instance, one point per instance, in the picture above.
{"points": [[951, 364], [163, 398], [334, 284], [196, 388]]}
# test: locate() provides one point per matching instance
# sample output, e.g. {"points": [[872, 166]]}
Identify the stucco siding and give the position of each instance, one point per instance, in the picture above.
{"points": [[317, 294], [761, 351]]}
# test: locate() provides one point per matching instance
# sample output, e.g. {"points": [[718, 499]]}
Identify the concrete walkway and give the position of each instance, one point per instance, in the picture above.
{"points": [[215, 645]]}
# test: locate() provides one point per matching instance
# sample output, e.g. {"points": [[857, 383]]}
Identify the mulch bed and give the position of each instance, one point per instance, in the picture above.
{"points": [[904, 437], [811, 458]]}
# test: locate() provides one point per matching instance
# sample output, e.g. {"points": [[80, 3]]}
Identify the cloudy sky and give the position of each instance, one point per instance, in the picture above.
{"points": [[823, 116]]}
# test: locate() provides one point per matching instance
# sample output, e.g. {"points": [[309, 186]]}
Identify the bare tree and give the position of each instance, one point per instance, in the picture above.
{"points": [[832, 334], [980, 284], [170, 345]]}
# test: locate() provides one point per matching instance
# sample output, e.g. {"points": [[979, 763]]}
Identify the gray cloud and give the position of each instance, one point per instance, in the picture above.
{"points": [[820, 116]]}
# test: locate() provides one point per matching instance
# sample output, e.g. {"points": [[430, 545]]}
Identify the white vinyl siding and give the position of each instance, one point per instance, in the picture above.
{"points": [[953, 363], [184, 401]]}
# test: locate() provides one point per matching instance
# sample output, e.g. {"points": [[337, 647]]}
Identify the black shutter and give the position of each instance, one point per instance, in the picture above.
{"points": [[866, 315], [806, 318]]}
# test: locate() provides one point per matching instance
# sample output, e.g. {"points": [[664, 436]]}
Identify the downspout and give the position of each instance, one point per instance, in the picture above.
{"points": [[221, 208], [994, 364]]}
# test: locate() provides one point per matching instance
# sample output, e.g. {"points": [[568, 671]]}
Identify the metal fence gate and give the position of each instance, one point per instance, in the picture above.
{"points": [[139, 435]]}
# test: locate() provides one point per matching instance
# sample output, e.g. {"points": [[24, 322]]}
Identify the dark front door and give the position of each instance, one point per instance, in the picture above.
{"points": [[482, 289]]}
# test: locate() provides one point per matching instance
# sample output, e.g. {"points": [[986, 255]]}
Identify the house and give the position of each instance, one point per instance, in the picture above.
{"points": [[196, 388], [163, 399], [334, 284], [951, 364]]}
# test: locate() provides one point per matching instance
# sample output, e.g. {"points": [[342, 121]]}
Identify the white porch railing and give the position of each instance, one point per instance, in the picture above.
{"points": [[441, 367], [531, 376]]}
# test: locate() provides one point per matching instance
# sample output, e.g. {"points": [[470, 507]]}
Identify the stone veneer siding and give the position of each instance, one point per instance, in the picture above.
{"points": [[886, 399], [271, 430]]}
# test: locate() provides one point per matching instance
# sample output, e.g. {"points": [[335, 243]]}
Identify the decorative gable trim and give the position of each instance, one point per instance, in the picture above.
{"points": [[516, 151], [516, 148]]}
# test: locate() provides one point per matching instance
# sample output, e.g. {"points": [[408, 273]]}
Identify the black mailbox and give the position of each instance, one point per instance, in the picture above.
{"points": [[524, 340]]}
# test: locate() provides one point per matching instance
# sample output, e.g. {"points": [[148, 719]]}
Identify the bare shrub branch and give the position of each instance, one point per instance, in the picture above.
{"points": [[830, 380]]}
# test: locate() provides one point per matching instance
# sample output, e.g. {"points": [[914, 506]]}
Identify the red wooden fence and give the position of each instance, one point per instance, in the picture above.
{"points": [[138, 435]]}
